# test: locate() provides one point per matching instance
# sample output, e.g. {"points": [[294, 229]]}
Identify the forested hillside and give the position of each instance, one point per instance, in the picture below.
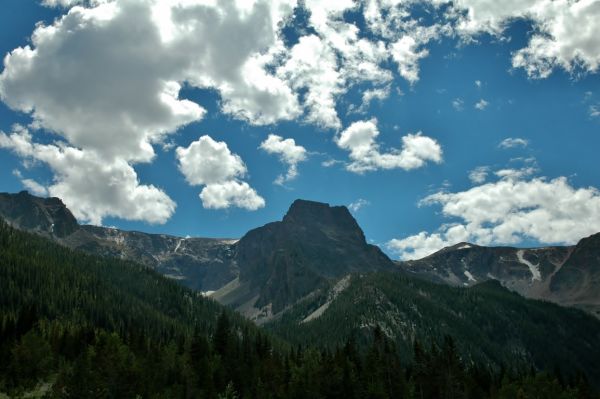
{"points": [[77, 326], [490, 324]]}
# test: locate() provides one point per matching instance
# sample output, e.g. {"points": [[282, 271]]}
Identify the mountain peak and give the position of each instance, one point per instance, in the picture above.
{"points": [[305, 209], [44, 215], [313, 246], [312, 214]]}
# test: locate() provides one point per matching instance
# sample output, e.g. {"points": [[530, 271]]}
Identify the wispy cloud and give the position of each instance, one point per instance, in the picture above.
{"points": [[358, 204], [479, 174], [512, 142], [458, 104], [481, 104]]}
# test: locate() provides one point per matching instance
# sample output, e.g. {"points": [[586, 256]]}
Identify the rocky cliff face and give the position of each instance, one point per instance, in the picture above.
{"points": [[205, 264], [310, 249], [577, 282], [46, 216], [566, 275]]}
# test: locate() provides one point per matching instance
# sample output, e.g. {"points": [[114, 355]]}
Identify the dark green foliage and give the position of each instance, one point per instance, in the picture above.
{"points": [[491, 324], [95, 328]]}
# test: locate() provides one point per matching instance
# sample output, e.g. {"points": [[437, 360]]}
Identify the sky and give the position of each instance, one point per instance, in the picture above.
{"points": [[435, 122]]}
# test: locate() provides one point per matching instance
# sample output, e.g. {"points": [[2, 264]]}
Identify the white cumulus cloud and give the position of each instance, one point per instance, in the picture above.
{"points": [[206, 161], [509, 211], [106, 78], [566, 33], [288, 152], [210, 163], [365, 155], [92, 187], [231, 193]]}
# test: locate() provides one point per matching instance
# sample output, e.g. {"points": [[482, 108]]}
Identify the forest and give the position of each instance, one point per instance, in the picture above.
{"points": [[78, 326]]}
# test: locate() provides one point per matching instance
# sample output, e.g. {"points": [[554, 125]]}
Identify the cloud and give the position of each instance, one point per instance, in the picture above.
{"points": [[207, 161], [231, 193], [210, 163], [566, 33], [565, 36], [360, 139], [423, 244], [407, 53], [31, 185], [481, 104], [512, 142], [595, 110], [313, 66], [358, 205], [509, 211], [458, 104], [92, 187], [61, 3], [516, 174], [479, 174], [289, 153], [114, 93], [478, 84], [35, 187], [328, 163], [380, 93], [98, 84], [110, 93]]}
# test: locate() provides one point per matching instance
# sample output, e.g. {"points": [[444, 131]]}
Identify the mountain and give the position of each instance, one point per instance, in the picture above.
{"points": [[76, 325], [490, 324], [117, 295], [577, 282], [46, 216], [310, 278], [270, 268], [568, 275], [204, 264], [308, 251]]}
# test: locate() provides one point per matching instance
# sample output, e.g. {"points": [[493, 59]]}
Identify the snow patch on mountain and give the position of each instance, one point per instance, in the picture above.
{"points": [[535, 270], [470, 276], [178, 244]]}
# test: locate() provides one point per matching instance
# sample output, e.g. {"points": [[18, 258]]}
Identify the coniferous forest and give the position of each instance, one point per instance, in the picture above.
{"points": [[77, 326]]}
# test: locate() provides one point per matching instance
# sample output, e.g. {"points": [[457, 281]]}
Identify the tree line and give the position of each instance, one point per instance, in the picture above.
{"points": [[78, 326]]}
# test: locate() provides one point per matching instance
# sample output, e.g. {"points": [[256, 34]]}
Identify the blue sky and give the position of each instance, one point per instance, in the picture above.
{"points": [[506, 102]]}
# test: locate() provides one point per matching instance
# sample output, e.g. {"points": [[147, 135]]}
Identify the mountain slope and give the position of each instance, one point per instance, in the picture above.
{"points": [[75, 325], [577, 283], [46, 216], [88, 290], [490, 324], [569, 275], [200, 263], [308, 251]]}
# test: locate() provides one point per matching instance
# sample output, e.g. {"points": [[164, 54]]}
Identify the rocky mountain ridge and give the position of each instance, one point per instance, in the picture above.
{"points": [[204, 264], [310, 252], [567, 275], [261, 275]]}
